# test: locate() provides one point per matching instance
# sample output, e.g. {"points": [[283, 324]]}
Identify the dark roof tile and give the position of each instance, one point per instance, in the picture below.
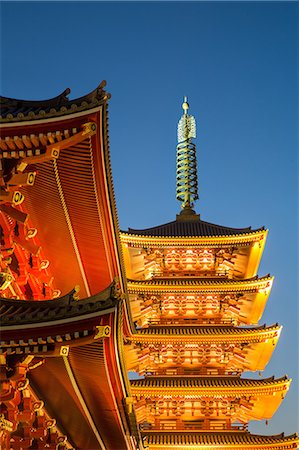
{"points": [[15, 312], [189, 228], [13, 110], [204, 382], [216, 438]]}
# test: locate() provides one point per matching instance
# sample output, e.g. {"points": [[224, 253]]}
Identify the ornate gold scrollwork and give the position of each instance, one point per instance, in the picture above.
{"points": [[6, 280], [23, 384], [31, 233], [5, 425]]}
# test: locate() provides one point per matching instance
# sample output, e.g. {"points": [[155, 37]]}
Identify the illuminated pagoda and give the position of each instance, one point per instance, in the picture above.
{"points": [[194, 296], [82, 303]]}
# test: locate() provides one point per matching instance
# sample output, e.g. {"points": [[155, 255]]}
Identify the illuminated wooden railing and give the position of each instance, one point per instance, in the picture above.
{"points": [[191, 321], [200, 426], [226, 274], [201, 371]]}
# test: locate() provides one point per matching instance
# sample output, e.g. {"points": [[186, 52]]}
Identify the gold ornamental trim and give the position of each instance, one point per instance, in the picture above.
{"points": [[214, 391], [64, 350], [199, 286], [159, 441], [253, 336], [102, 331], [136, 240]]}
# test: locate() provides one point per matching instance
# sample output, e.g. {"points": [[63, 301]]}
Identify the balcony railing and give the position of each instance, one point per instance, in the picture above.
{"points": [[192, 274], [200, 371], [193, 321], [185, 426]]}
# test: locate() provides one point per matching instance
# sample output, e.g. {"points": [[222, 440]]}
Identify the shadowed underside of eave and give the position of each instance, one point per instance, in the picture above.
{"points": [[71, 204], [73, 236], [52, 383]]}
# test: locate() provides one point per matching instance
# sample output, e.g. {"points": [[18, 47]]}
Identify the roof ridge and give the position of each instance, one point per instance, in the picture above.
{"points": [[189, 228], [7, 101], [227, 328], [198, 379], [199, 280], [17, 110]]}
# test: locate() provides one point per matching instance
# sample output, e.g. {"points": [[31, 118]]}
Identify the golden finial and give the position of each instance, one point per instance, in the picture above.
{"points": [[185, 105]]}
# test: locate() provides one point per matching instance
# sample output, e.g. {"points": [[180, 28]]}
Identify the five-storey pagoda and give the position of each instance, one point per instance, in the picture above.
{"points": [[196, 301]]}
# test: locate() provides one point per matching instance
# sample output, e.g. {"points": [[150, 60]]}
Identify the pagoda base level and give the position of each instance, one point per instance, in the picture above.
{"points": [[214, 440]]}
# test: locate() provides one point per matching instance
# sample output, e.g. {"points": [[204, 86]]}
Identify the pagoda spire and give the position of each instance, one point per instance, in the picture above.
{"points": [[186, 177]]}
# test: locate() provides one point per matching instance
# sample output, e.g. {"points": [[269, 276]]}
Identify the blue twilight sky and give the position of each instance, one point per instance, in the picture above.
{"points": [[238, 64]]}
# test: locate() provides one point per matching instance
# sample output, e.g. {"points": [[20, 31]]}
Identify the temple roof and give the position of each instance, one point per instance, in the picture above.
{"points": [[248, 284], [15, 312], [76, 184], [75, 343], [14, 110], [216, 438], [190, 228], [207, 382], [217, 331]]}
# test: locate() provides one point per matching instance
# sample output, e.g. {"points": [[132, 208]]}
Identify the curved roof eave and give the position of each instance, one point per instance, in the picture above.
{"points": [[198, 228], [15, 110], [233, 439], [252, 282], [26, 312], [159, 236], [157, 332]]}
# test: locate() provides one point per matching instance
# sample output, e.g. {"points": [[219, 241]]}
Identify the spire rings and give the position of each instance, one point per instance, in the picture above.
{"points": [[186, 175], [186, 179]]}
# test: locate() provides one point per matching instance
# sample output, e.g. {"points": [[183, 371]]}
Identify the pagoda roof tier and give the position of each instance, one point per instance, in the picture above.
{"points": [[16, 110], [79, 365], [247, 399], [42, 328], [206, 334], [193, 234], [178, 349], [190, 228], [187, 285], [70, 203], [202, 256], [224, 386], [242, 301], [65, 308], [215, 440]]}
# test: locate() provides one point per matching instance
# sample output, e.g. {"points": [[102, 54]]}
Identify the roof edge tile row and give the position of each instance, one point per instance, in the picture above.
{"points": [[14, 110]]}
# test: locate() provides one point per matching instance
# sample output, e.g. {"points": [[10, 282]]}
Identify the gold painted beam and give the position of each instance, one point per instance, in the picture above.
{"points": [[192, 241], [200, 286], [280, 386], [254, 335]]}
